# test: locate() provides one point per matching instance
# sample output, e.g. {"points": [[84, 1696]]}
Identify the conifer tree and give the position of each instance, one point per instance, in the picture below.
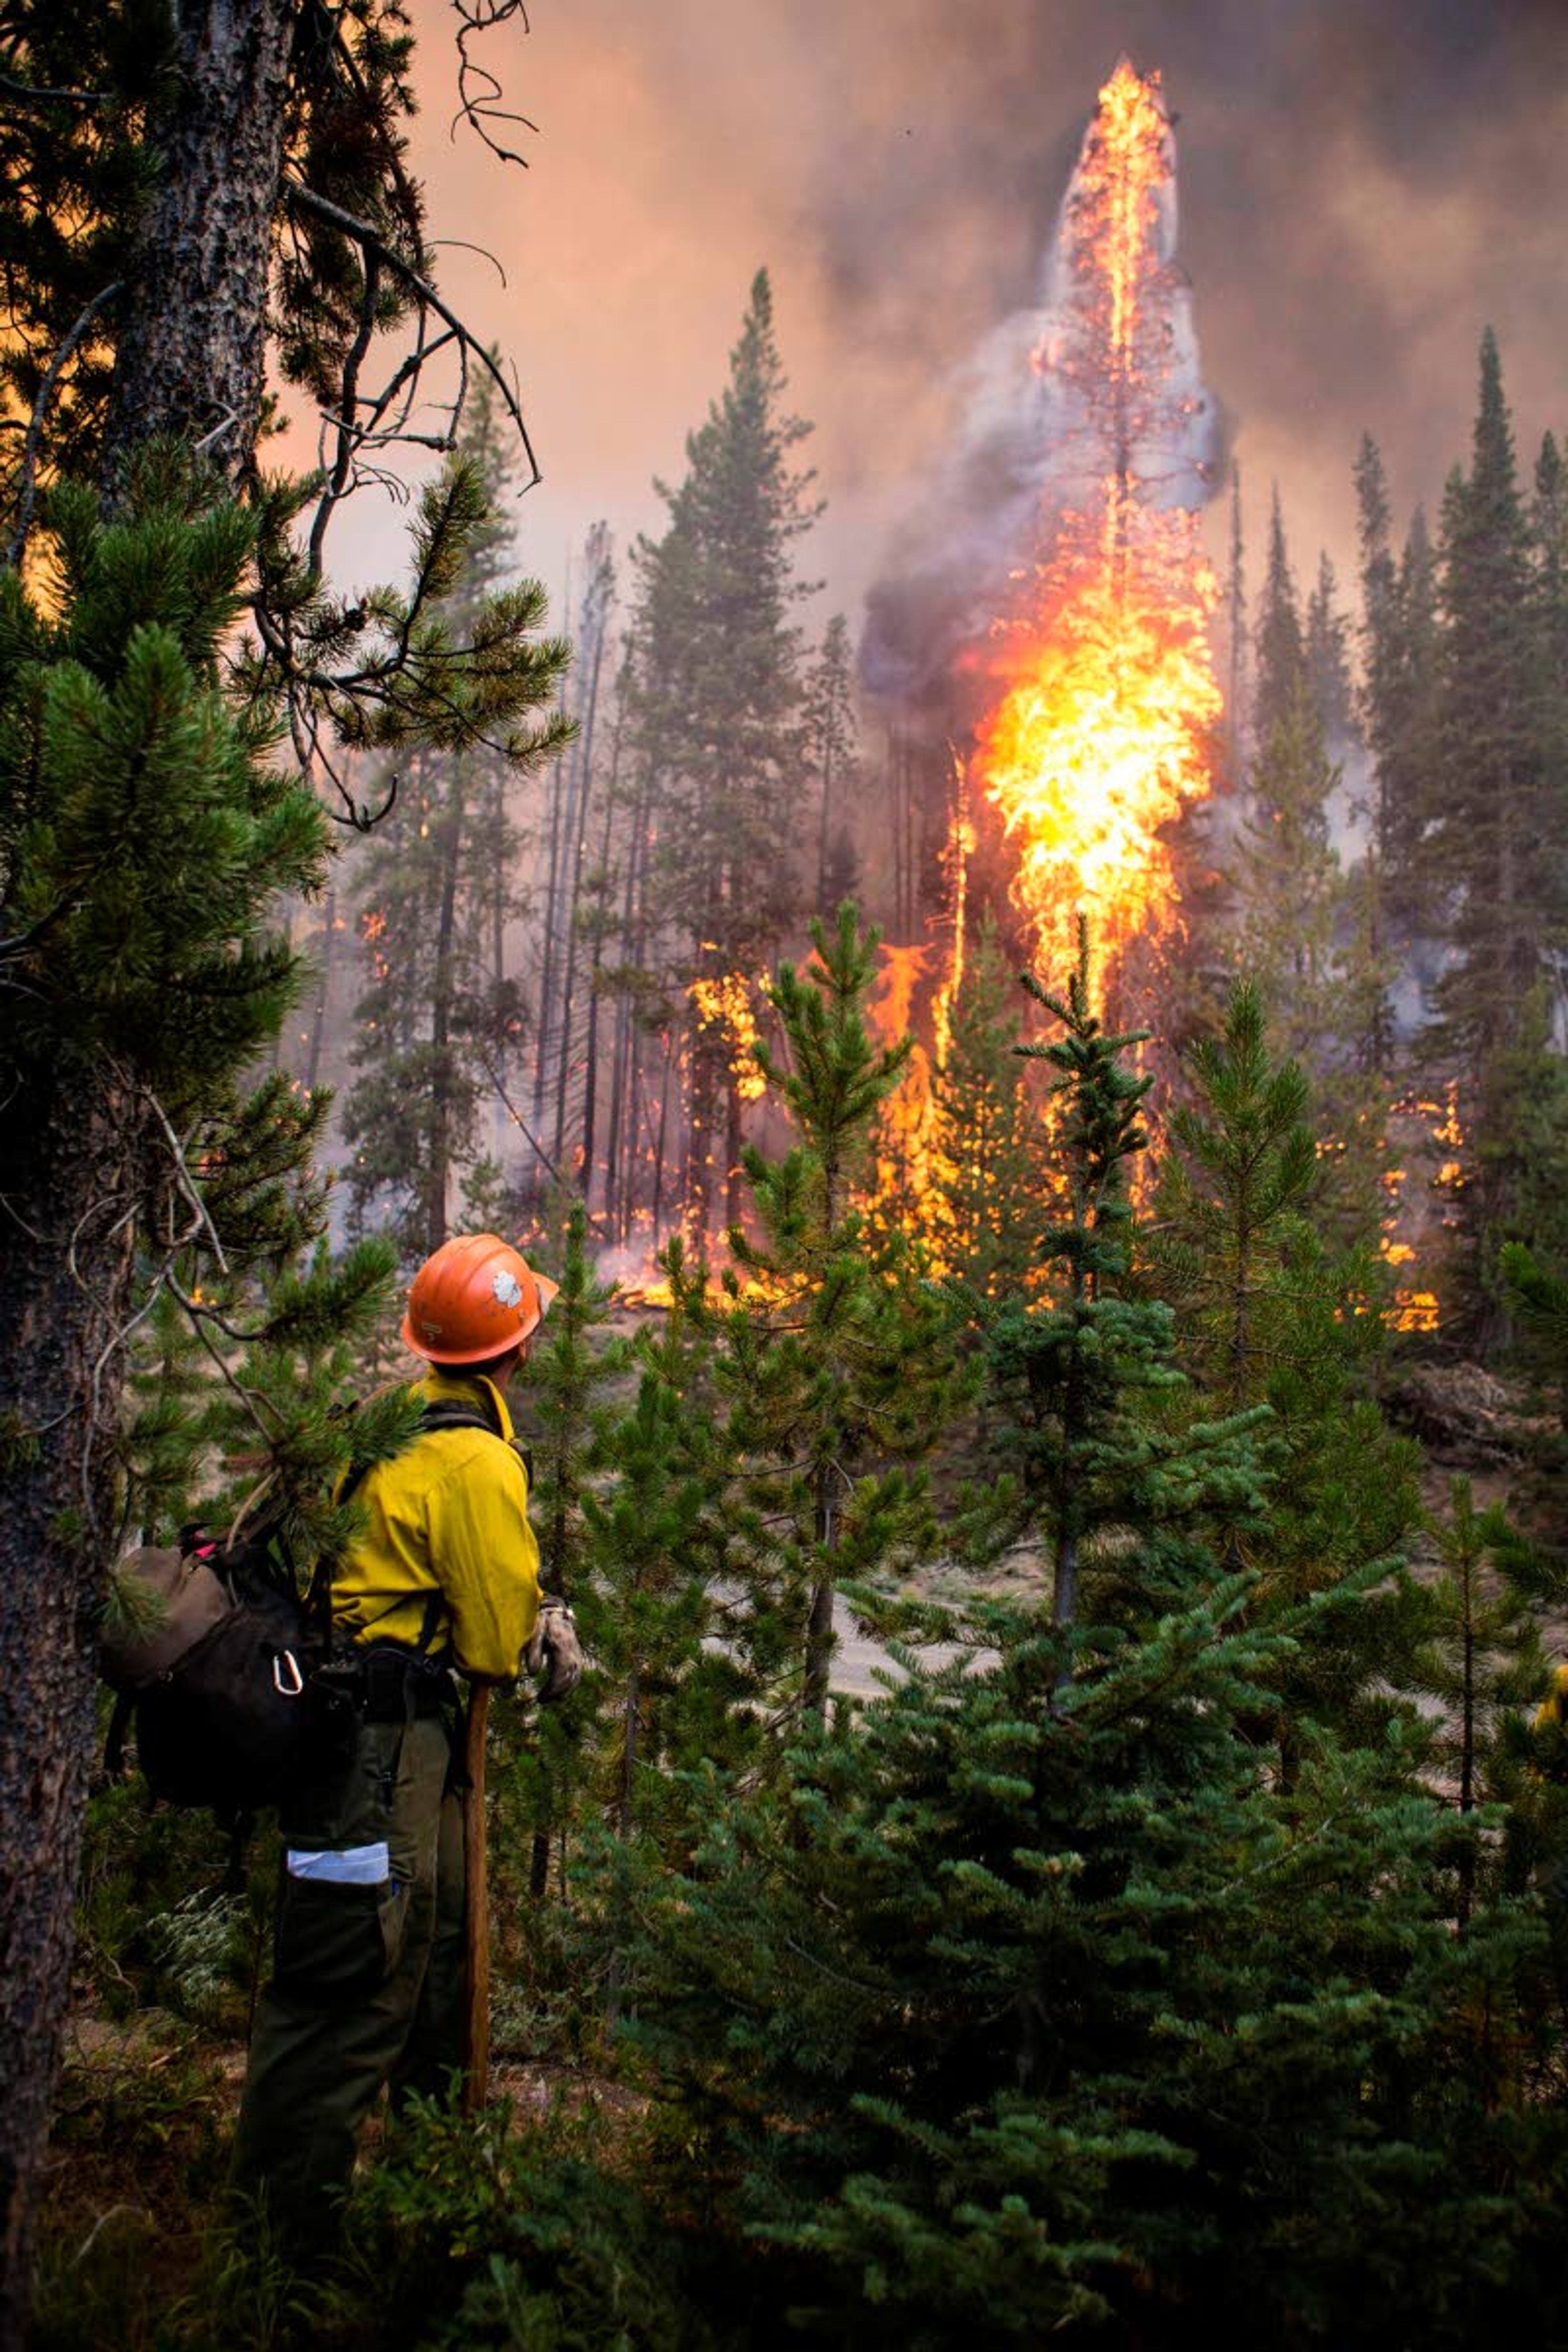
{"points": [[716, 710], [564, 920], [828, 716], [841, 1372], [1280, 650], [1237, 722], [142, 827], [1289, 885], [1269, 1314], [1075, 1376], [1483, 1653], [1493, 841], [215, 175], [437, 885], [686, 1665], [1538, 1300], [1025, 2001], [988, 1135], [1326, 653], [1398, 641]]}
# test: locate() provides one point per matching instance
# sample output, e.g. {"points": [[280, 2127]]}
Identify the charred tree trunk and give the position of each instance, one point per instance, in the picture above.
{"points": [[73, 1166], [596, 989], [322, 1006], [443, 1091], [620, 1147], [734, 1174], [560, 771], [572, 871]]}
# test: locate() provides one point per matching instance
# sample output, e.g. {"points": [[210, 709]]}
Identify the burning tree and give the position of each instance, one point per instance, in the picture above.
{"points": [[1098, 738]]}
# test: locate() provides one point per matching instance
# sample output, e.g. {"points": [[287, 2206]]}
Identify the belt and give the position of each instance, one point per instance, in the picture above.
{"points": [[399, 1684]]}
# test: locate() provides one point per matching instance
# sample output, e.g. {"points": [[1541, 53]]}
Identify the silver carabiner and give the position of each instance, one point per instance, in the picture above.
{"points": [[292, 1687]]}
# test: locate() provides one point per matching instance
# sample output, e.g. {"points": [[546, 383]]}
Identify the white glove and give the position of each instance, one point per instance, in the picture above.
{"points": [[554, 1651]]}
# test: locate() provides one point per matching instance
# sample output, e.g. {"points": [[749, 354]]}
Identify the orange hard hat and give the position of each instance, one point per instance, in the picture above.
{"points": [[474, 1299]]}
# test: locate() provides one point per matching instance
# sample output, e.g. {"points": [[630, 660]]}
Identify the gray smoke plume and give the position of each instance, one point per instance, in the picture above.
{"points": [[1031, 441]]}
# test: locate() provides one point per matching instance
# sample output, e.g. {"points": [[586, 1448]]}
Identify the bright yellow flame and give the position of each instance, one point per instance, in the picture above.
{"points": [[1098, 739], [723, 1004]]}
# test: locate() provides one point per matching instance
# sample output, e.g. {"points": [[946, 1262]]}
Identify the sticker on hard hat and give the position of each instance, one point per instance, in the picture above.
{"points": [[507, 1288]]}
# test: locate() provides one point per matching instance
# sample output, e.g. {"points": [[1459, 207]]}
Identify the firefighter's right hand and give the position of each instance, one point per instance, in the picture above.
{"points": [[554, 1651]]}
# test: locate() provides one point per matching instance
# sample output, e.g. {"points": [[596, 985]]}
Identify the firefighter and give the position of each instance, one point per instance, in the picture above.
{"points": [[368, 1983]]}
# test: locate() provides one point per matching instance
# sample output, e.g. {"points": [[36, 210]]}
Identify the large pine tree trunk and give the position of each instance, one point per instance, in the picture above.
{"points": [[69, 1164], [192, 326], [192, 350]]}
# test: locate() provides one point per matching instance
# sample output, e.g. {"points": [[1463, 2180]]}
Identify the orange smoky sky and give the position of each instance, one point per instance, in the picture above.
{"points": [[1364, 187]]}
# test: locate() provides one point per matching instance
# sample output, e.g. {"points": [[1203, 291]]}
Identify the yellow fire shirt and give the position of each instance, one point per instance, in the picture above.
{"points": [[447, 1516]]}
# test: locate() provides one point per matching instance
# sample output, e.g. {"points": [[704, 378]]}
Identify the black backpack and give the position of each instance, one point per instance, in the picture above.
{"points": [[215, 1656], [227, 1670]]}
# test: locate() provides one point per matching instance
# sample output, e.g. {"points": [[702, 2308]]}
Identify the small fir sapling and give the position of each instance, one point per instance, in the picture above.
{"points": [[989, 1139], [558, 1404], [1074, 1377], [837, 1362]]}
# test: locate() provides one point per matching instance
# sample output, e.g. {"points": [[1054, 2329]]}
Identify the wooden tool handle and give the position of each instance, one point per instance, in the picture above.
{"points": [[476, 1907]]}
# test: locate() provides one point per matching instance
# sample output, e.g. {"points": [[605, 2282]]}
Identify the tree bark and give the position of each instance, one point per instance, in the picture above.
{"points": [[69, 1161], [192, 352], [73, 1165]]}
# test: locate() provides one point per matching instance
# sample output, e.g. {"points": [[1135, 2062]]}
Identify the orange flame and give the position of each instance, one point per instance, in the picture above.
{"points": [[1099, 740], [723, 1004]]}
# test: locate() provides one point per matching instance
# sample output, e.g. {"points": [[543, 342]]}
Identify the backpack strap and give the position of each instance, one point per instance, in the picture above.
{"points": [[448, 1413], [453, 1413]]}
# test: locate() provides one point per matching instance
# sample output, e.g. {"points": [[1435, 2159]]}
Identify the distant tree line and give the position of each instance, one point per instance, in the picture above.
{"points": [[1400, 879]]}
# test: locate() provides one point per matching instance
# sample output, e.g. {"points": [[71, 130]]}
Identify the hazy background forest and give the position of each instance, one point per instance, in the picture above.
{"points": [[981, 871]]}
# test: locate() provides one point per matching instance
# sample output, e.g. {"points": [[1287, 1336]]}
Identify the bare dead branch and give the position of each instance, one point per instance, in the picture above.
{"points": [[312, 754], [370, 242], [219, 432], [479, 91], [338, 479], [492, 1073], [184, 1180], [31, 94], [462, 245], [254, 1405]]}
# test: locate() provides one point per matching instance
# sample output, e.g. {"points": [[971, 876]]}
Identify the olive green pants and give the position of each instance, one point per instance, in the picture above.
{"points": [[368, 1977]]}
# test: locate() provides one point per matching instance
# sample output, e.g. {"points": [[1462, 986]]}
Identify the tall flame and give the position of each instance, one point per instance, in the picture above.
{"points": [[1107, 692]]}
